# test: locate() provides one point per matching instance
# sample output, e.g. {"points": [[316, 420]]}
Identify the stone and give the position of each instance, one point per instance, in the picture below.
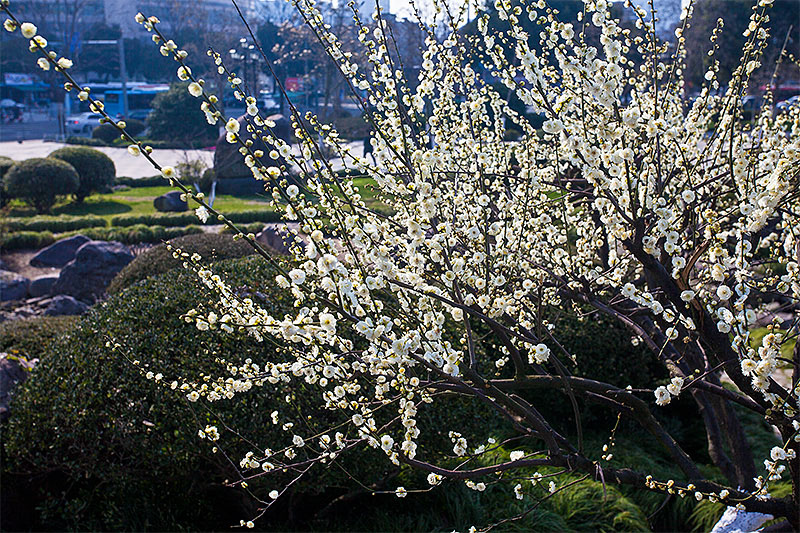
{"points": [[95, 265], [59, 253], [229, 162], [63, 305], [170, 202], [41, 286], [276, 237], [13, 286], [13, 371]]}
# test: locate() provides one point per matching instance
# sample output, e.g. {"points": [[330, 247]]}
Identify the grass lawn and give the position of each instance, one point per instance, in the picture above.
{"points": [[139, 201], [134, 201]]}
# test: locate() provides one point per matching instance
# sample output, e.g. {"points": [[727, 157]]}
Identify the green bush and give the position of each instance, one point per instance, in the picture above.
{"points": [[176, 117], [180, 219], [157, 260], [85, 141], [256, 215], [172, 144], [150, 181], [25, 239], [134, 127], [5, 164], [135, 234], [57, 224], [39, 181], [31, 337], [105, 133], [99, 447], [96, 171], [160, 219], [252, 227]]}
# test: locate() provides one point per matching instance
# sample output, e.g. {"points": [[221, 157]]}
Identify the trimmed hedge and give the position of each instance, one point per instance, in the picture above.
{"points": [[151, 181], [135, 234], [96, 171], [30, 337], [156, 219], [84, 141], [180, 219], [93, 445], [158, 260], [253, 227], [26, 239], [169, 144], [5, 164], [55, 224], [106, 133], [38, 181], [128, 235]]}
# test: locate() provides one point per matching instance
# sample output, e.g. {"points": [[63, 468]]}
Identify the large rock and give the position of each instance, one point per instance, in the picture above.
{"points": [[63, 305], [13, 371], [170, 202], [95, 265], [275, 236], [41, 286], [229, 162], [60, 253], [13, 286]]}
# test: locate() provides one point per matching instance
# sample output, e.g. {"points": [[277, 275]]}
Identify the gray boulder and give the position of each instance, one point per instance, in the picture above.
{"points": [[13, 371], [95, 265], [13, 286], [229, 162], [170, 202], [59, 253], [63, 305], [41, 286], [276, 237]]}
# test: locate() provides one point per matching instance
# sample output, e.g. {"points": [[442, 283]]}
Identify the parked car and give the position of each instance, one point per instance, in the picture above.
{"points": [[83, 123]]}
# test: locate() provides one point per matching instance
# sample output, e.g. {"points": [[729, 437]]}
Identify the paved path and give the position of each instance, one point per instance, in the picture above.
{"points": [[127, 165]]}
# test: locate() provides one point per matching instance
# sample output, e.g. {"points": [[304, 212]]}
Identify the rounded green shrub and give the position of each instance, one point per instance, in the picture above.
{"points": [[96, 171], [134, 127], [157, 260], [97, 446], [31, 337], [39, 181], [105, 133], [5, 164]]}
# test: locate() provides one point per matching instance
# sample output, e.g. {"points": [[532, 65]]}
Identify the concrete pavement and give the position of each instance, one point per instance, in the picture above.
{"points": [[127, 165]]}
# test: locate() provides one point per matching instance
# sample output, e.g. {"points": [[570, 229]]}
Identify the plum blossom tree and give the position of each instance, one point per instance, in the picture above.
{"points": [[678, 220]]}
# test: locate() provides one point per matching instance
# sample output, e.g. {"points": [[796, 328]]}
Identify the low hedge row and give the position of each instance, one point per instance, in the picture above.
{"points": [[180, 219], [150, 181], [136, 234], [26, 239], [58, 224], [128, 235], [84, 141], [253, 227]]}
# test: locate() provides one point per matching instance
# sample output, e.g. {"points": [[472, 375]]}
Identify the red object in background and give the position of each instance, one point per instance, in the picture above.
{"points": [[293, 84]]}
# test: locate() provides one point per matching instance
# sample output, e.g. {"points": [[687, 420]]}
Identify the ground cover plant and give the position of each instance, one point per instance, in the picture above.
{"points": [[675, 220]]}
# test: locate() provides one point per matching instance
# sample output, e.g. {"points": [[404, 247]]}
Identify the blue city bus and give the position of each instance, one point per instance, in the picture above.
{"points": [[140, 100]]}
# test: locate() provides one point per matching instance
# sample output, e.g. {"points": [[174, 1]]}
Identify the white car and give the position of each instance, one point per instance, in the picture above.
{"points": [[83, 123]]}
